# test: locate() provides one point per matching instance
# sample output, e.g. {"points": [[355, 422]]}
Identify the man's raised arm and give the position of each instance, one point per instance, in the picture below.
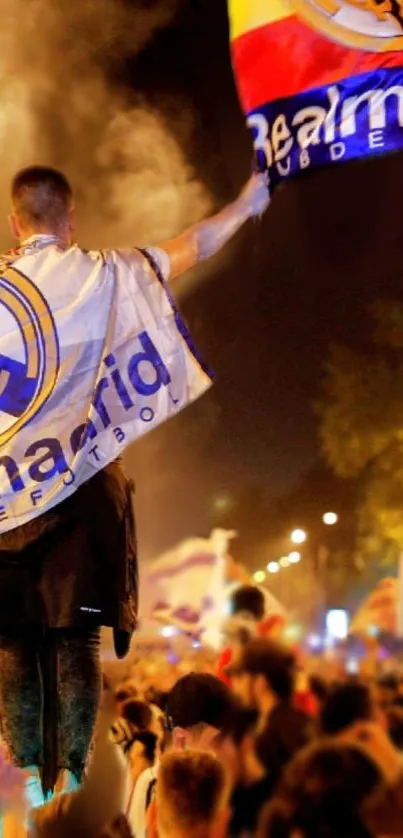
{"points": [[208, 237]]}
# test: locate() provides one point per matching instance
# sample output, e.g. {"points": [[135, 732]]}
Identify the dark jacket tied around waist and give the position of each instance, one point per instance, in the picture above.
{"points": [[76, 565]]}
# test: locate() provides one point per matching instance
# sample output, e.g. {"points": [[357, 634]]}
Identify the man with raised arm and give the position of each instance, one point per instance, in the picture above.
{"points": [[93, 354]]}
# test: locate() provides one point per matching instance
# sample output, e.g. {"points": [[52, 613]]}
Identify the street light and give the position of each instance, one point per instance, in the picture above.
{"points": [[330, 519], [298, 536], [294, 557], [259, 576], [273, 567], [284, 561]]}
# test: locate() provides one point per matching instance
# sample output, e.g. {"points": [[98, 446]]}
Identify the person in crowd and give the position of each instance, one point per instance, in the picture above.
{"points": [[143, 715], [247, 609], [191, 797], [70, 566], [156, 697], [199, 710], [386, 691], [139, 731], [394, 720], [135, 716], [386, 814], [248, 599], [264, 678], [237, 632], [124, 693], [323, 795], [304, 697], [319, 689], [345, 705], [346, 787], [375, 740], [199, 713], [251, 783], [142, 753]]}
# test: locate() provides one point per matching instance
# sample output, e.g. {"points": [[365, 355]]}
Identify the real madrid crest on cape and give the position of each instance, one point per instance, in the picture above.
{"points": [[321, 81], [93, 354]]}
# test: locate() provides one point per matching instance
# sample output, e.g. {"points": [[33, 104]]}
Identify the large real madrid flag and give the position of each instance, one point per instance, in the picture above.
{"points": [[321, 81], [93, 354]]}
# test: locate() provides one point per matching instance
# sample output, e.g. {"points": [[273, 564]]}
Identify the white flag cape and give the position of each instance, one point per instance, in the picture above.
{"points": [[93, 354]]}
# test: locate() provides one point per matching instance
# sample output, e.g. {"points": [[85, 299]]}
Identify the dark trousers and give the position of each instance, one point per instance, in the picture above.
{"points": [[50, 683]]}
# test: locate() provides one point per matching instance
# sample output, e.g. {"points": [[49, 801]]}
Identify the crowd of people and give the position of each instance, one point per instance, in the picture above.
{"points": [[233, 746], [240, 752]]}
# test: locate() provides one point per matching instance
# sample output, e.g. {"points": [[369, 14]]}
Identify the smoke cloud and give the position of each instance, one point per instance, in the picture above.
{"points": [[60, 107]]}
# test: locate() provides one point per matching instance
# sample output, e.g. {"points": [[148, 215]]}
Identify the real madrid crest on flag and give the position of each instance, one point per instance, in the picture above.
{"points": [[321, 81], [28, 377]]}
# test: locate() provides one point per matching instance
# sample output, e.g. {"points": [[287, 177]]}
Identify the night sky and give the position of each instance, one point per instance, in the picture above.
{"points": [[265, 313]]}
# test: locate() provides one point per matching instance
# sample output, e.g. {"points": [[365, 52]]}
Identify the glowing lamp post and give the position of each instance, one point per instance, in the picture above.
{"points": [[330, 519], [298, 536]]}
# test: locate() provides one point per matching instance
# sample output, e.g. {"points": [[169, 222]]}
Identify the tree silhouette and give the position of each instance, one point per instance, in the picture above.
{"points": [[361, 413]]}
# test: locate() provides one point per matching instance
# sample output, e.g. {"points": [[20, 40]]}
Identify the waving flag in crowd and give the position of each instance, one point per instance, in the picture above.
{"points": [[379, 610], [186, 587], [321, 81]]}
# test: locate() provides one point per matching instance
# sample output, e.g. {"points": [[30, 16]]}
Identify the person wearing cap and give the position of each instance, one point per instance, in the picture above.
{"points": [[198, 715], [263, 677]]}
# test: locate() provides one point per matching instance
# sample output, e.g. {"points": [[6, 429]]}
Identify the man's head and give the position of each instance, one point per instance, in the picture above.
{"points": [[346, 705], [124, 693], [248, 599], [192, 796], [41, 202], [138, 713], [198, 710], [263, 675], [325, 791]]}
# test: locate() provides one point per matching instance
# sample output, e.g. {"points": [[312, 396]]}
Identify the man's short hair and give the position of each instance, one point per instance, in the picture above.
{"points": [[270, 659], [197, 699], [41, 197], [250, 600], [329, 789], [138, 713], [191, 792]]}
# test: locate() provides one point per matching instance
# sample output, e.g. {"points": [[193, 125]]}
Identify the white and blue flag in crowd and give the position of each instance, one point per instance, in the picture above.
{"points": [[93, 354]]}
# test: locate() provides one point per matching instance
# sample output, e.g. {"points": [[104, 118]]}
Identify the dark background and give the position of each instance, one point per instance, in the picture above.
{"points": [[264, 317]]}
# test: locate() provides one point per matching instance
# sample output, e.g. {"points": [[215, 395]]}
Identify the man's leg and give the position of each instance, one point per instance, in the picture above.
{"points": [[21, 703], [79, 691], [21, 695]]}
